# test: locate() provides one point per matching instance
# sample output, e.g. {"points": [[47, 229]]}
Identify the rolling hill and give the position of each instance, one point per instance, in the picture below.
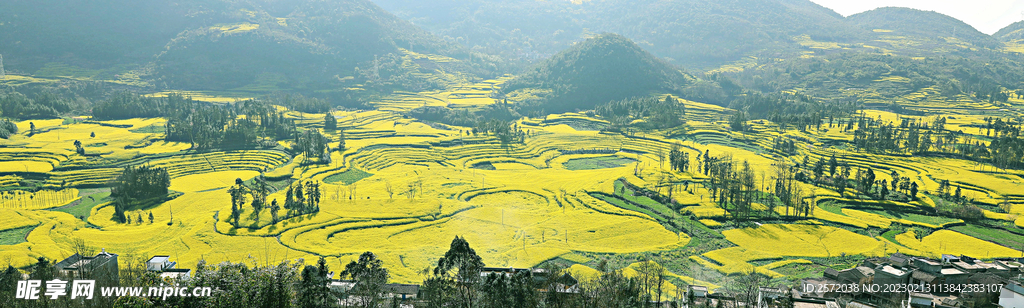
{"points": [[604, 68], [919, 33], [1014, 31]]}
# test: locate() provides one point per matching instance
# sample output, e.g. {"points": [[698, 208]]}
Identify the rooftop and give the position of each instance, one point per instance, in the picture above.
{"points": [[77, 261], [893, 271], [951, 271], [1010, 264], [968, 266], [923, 276], [922, 295], [397, 288], [993, 266], [858, 305]]}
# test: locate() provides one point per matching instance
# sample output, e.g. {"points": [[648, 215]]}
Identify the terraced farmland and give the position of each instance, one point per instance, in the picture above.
{"points": [[403, 188]]}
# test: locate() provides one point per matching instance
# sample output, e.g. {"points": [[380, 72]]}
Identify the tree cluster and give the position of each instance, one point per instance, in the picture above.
{"points": [[313, 146], [46, 104], [679, 160], [136, 184], [787, 110], [7, 128], [303, 198], [298, 102], [655, 113], [126, 105], [257, 192]]}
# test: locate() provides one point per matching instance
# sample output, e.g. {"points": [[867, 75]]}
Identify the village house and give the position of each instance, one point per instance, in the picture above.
{"points": [[699, 291], [886, 274], [167, 269], [402, 291], [927, 265], [856, 275], [101, 267], [1012, 295]]}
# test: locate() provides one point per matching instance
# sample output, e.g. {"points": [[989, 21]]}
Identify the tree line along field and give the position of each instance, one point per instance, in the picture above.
{"points": [[560, 191]]}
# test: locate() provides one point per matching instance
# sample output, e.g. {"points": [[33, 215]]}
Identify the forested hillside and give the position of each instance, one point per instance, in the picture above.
{"points": [[210, 45]]}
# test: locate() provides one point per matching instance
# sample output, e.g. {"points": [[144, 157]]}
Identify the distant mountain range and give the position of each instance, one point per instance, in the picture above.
{"points": [[216, 44], [694, 33], [559, 48], [697, 34]]}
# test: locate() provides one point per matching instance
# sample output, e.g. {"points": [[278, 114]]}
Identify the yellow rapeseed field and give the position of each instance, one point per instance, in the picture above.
{"points": [[403, 189], [955, 243], [208, 181], [801, 240]]}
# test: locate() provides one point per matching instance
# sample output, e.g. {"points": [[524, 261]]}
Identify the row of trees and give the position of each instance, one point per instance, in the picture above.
{"points": [[201, 124], [300, 198], [45, 104], [734, 185], [731, 183], [456, 281], [1005, 150], [303, 198], [898, 188], [787, 110], [208, 126]]}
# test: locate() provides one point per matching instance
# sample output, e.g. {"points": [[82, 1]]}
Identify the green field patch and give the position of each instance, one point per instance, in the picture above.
{"points": [[348, 177], [628, 194], [61, 70], [625, 205], [891, 235], [576, 258], [591, 163], [83, 207], [932, 220], [832, 207], [995, 235], [15, 236], [152, 129], [484, 166]]}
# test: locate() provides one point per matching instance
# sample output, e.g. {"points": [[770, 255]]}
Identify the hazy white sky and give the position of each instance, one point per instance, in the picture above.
{"points": [[987, 16]]}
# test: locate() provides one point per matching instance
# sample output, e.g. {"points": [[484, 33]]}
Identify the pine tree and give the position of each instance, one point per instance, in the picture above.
{"points": [[300, 197], [832, 165], [341, 142], [273, 210], [289, 198], [330, 122]]}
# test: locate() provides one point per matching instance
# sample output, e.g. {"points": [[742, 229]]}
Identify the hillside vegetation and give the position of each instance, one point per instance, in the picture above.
{"points": [[605, 68]]}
